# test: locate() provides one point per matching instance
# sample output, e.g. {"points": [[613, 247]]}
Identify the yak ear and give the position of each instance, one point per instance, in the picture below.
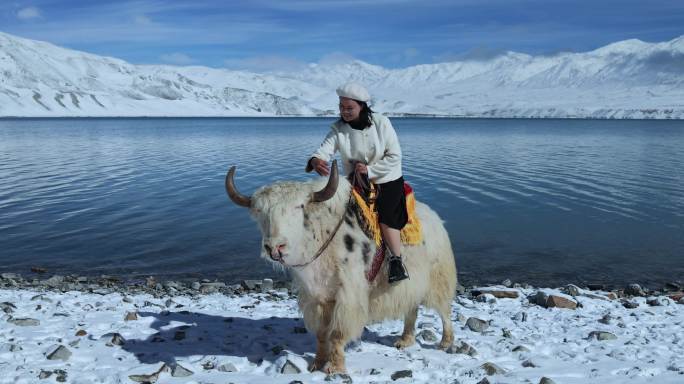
{"points": [[235, 196], [329, 190]]}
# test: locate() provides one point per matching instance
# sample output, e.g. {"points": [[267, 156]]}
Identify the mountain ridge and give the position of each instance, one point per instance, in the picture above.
{"points": [[625, 79]]}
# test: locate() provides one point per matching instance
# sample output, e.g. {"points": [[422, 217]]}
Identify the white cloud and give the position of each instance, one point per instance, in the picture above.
{"points": [[336, 58], [142, 20], [28, 13], [410, 53], [177, 58], [265, 63]]}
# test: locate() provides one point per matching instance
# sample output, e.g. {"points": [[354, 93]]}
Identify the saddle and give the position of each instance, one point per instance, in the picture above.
{"points": [[365, 194]]}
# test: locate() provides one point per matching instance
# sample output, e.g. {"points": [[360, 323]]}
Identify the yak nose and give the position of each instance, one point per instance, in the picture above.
{"points": [[275, 251]]}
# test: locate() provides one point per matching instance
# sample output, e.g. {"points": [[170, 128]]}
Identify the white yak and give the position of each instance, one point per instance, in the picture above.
{"points": [[311, 229]]}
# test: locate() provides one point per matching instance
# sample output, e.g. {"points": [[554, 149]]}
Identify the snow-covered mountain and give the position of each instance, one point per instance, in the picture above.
{"points": [[627, 79]]}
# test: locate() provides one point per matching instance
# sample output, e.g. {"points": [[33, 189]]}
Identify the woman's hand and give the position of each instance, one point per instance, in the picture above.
{"points": [[320, 166], [361, 168]]}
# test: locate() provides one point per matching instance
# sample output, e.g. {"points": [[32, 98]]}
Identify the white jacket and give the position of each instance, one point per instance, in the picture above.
{"points": [[377, 146]]}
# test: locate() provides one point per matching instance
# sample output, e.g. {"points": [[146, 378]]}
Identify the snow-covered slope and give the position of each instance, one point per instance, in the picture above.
{"points": [[627, 79]]}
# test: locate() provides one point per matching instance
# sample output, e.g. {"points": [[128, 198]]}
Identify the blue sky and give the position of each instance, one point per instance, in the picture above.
{"points": [[280, 34]]}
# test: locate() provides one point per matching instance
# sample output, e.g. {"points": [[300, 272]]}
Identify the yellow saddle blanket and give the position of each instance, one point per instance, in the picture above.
{"points": [[411, 234]]}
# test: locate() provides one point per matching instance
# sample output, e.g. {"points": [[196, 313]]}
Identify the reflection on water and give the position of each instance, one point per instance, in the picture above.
{"points": [[541, 201]]}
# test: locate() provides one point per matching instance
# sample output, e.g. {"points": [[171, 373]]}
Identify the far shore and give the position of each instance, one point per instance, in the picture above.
{"points": [[392, 115]]}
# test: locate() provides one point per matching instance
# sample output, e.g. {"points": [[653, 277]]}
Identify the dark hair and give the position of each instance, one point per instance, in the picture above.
{"points": [[365, 118]]}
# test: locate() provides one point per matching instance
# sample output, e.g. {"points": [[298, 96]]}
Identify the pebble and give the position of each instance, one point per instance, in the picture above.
{"points": [[24, 322], [554, 301], [658, 301], [606, 319], [538, 298], [572, 290], [44, 374], [602, 336], [339, 378], [117, 339], [521, 348], [463, 348], [266, 285], [428, 336], [634, 290], [546, 380], [401, 374], [492, 369], [529, 364], [251, 285], [227, 367], [498, 293], [477, 325], [290, 368], [7, 307], [59, 352], [178, 370], [486, 298]]}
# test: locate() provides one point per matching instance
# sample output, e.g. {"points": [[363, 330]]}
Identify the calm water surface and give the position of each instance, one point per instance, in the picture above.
{"points": [[540, 201]]}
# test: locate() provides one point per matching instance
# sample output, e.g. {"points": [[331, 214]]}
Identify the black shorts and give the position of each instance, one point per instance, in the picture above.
{"points": [[391, 204]]}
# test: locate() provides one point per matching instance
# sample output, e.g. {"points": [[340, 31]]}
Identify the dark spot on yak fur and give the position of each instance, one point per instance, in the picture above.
{"points": [[349, 243], [327, 231], [345, 260], [366, 252]]}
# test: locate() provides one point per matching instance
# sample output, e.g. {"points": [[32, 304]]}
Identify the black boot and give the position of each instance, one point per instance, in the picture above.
{"points": [[397, 271]]}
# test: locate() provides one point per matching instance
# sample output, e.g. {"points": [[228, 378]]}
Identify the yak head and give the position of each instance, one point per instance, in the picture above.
{"points": [[295, 218]]}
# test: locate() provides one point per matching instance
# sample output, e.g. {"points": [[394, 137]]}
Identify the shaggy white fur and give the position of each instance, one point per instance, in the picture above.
{"points": [[334, 296]]}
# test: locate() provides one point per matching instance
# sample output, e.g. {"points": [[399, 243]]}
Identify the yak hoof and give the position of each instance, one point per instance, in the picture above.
{"points": [[405, 342], [331, 368], [317, 365], [445, 344]]}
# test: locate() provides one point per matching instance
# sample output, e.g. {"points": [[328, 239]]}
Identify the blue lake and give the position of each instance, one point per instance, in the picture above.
{"points": [[540, 201]]}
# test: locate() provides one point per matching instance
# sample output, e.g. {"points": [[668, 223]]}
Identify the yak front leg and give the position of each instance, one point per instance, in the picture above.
{"points": [[323, 337], [337, 343]]}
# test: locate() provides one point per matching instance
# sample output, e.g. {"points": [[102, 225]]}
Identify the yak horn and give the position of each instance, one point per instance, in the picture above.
{"points": [[233, 193], [330, 188]]}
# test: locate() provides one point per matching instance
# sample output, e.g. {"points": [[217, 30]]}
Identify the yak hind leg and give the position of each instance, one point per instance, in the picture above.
{"points": [[408, 337]]}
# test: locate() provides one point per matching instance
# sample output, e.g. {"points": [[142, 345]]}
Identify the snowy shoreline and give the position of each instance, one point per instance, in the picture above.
{"points": [[208, 332]]}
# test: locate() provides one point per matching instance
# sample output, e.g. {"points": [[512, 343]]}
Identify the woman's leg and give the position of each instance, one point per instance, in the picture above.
{"points": [[392, 239], [396, 269]]}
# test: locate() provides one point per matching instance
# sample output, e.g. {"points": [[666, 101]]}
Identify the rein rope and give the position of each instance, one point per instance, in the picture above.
{"points": [[330, 239]]}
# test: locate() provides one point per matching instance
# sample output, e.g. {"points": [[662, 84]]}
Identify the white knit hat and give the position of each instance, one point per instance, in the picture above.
{"points": [[354, 91]]}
